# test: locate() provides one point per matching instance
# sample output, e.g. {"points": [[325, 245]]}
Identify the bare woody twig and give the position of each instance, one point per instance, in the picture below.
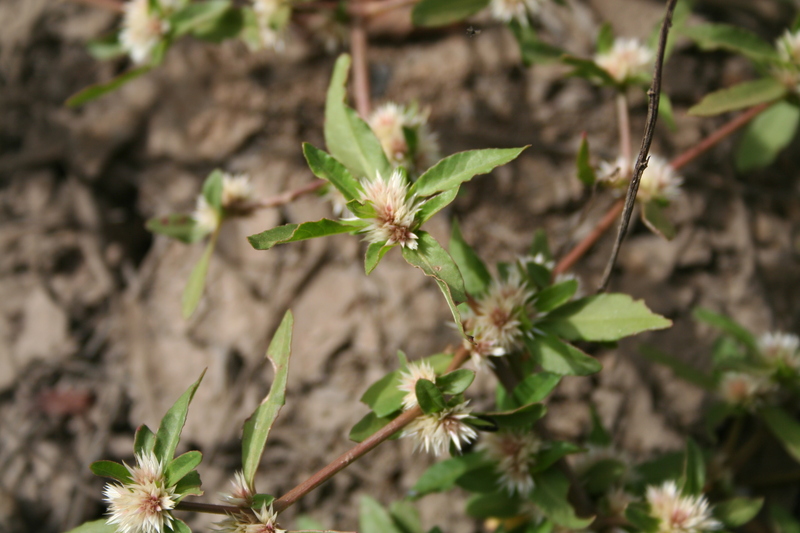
{"points": [[641, 161]]}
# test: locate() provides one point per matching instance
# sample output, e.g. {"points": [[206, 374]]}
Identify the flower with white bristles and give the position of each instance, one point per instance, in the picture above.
{"points": [[788, 46], [144, 504], [263, 521], [513, 451], [390, 121], [205, 216], [678, 513], [142, 30], [627, 59], [409, 378], [395, 213], [272, 16], [660, 181], [780, 349], [743, 388], [434, 432], [508, 10], [236, 189], [242, 493]]}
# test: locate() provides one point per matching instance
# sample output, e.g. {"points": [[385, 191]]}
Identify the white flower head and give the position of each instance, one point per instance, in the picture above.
{"points": [[242, 493], [788, 46], [236, 189], [508, 10], [627, 59], [514, 453], [780, 349], [389, 122], [538, 259], [144, 504], [394, 212], [678, 513], [263, 521], [409, 378], [616, 173], [435, 432], [205, 216], [272, 17], [659, 181], [743, 388], [495, 323], [142, 30]]}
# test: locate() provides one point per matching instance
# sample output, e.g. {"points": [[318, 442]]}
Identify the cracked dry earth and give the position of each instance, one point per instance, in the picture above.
{"points": [[91, 339]]}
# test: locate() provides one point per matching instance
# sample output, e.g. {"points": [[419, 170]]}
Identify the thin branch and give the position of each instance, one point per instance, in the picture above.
{"points": [[111, 5], [358, 43], [357, 451], [641, 162], [288, 196], [624, 124], [582, 247]]}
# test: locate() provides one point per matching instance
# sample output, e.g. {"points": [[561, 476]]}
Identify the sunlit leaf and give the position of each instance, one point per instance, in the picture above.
{"points": [[301, 232], [454, 170], [476, 275], [169, 430], [747, 94]]}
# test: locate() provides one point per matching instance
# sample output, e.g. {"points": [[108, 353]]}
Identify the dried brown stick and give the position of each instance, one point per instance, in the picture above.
{"points": [[641, 161]]}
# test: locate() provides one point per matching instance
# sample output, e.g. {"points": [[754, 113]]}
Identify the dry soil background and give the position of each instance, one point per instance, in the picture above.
{"points": [[91, 339]]}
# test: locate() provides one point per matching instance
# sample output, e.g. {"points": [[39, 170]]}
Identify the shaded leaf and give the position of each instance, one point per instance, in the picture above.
{"points": [[429, 397], [432, 13], [144, 440], [443, 475], [455, 382], [727, 325], [476, 275], [740, 96], [454, 170], [536, 387], [435, 204], [368, 425], [533, 49], [520, 417], [785, 428], [585, 170], [656, 220], [177, 226], [737, 511], [375, 252], [603, 475], [373, 518], [555, 296], [731, 38], [299, 232], [405, 516], [212, 189], [589, 70], [678, 367], [694, 469], [554, 452], [560, 357], [766, 136], [93, 92], [189, 484], [550, 494], [638, 515], [257, 427], [169, 430], [498, 504], [196, 15], [196, 283]]}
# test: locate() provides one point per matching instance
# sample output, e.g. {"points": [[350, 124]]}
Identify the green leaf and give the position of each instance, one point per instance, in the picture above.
{"points": [[95, 526], [257, 427], [260, 500], [375, 252], [373, 518], [604, 317], [182, 465], [550, 494], [299, 232], [656, 220], [531, 48], [406, 517], [212, 190], [728, 326], [694, 469], [737, 511], [432, 13], [189, 484], [454, 170], [348, 138], [678, 367], [327, 168], [766, 136], [230, 24], [169, 430], [384, 397], [443, 475], [197, 280], [435, 204], [745, 94], [368, 425], [785, 428], [429, 397], [93, 92], [455, 382], [605, 39], [589, 70], [560, 357], [144, 440], [482, 480], [112, 470], [196, 15], [554, 452], [476, 275], [603, 475], [498, 504], [598, 435], [521, 417], [662, 468], [540, 245], [536, 387], [639, 516], [177, 226], [179, 526], [665, 111], [555, 296], [782, 520], [106, 48], [585, 170], [730, 38]]}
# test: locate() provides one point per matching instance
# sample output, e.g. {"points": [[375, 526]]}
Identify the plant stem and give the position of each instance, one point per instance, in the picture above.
{"points": [[210, 508], [624, 124], [289, 196], [582, 247], [358, 43]]}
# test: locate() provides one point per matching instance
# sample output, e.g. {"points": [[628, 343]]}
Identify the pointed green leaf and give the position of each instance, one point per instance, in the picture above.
{"points": [[257, 427], [434, 261], [432, 13], [476, 275], [435, 204], [536, 387], [95, 526], [603, 475], [589, 70], [598, 435], [373, 518], [727, 325], [348, 138], [540, 245], [179, 526], [498, 504], [554, 451], [533, 49], [732, 39], [585, 169], [169, 430], [521, 417], [228, 25], [550, 494], [182, 465], [368, 425], [406, 516], [93, 92], [562, 358], [604, 317], [429, 397], [455, 382], [212, 189], [454, 170], [375, 252], [443, 475], [327, 168], [384, 397], [740, 96], [112, 470], [260, 500], [196, 15], [481, 480], [639, 516], [678, 367], [196, 283], [694, 469], [177, 226], [785, 428], [656, 220], [144, 440], [189, 484], [300, 232], [605, 39], [555, 296], [766, 136], [738, 511]]}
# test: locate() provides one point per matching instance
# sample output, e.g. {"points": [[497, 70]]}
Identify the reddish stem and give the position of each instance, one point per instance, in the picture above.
{"points": [[358, 43], [289, 196], [576, 253]]}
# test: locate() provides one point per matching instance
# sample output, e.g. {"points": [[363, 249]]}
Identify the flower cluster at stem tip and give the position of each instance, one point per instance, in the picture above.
{"points": [[513, 451], [434, 432], [395, 213], [236, 192], [679, 513], [519, 10], [626, 61], [272, 17], [659, 182], [142, 30], [409, 378], [391, 122], [788, 70]]}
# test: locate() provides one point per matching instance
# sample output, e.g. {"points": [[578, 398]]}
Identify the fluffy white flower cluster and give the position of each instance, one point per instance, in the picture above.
{"points": [[390, 121], [626, 60], [272, 17], [745, 388], [659, 180], [434, 432], [236, 192], [678, 513], [144, 504], [142, 30], [409, 378], [780, 350], [508, 10], [513, 451], [263, 521], [395, 212]]}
